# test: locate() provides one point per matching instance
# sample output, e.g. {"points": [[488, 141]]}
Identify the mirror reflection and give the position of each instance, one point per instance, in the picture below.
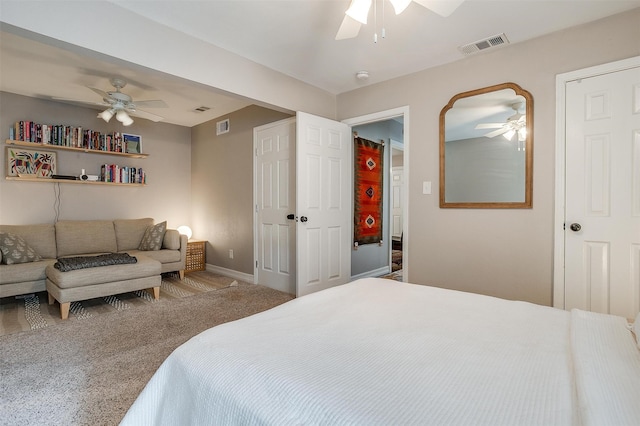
{"points": [[486, 147]]}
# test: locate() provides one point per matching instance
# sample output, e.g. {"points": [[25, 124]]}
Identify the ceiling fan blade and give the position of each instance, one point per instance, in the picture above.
{"points": [[154, 103], [80, 102], [144, 114], [489, 125], [348, 29], [441, 7], [102, 93], [497, 132]]}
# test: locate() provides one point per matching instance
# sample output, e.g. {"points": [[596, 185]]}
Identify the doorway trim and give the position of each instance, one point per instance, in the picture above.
{"points": [[387, 115], [559, 218]]}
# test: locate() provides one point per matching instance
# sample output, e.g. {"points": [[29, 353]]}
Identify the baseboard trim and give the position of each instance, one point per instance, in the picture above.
{"points": [[375, 273], [230, 273]]}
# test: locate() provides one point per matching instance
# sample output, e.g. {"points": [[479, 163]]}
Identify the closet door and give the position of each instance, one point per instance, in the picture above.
{"points": [[602, 192]]}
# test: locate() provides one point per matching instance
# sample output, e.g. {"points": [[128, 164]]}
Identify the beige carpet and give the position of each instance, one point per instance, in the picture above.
{"points": [[33, 311], [89, 372]]}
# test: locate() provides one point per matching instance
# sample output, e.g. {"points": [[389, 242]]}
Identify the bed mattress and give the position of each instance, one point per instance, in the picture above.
{"points": [[383, 352]]}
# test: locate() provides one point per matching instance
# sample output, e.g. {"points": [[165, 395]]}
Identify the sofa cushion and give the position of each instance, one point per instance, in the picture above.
{"points": [[25, 272], [162, 256], [75, 237], [41, 238], [129, 232], [171, 240], [15, 250], [153, 237], [144, 267]]}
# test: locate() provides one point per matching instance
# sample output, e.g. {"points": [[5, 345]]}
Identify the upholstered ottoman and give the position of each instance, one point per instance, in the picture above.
{"points": [[89, 283]]}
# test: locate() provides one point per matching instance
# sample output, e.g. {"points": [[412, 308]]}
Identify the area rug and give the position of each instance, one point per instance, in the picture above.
{"points": [[396, 275], [32, 312], [89, 372]]}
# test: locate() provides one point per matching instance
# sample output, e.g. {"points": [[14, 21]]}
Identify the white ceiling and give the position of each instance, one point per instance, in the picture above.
{"points": [[295, 37]]}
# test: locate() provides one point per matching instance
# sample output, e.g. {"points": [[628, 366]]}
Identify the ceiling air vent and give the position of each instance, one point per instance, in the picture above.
{"points": [[222, 127], [489, 42]]}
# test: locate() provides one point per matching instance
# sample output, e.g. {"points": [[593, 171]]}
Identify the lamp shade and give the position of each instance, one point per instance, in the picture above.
{"points": [[400, 5], [106, 114], [124, 118], [359, 10], [185, 230]]}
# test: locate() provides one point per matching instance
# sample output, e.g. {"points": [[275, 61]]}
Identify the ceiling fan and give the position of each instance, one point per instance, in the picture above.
{"points": [[122, 105], [516, 124], [358, 11]]}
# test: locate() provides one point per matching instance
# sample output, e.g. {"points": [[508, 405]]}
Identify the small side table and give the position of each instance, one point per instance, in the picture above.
{"points": [[195, 255]]}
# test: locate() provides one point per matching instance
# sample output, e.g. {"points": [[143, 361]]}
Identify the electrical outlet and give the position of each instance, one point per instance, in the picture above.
{"points": [[230, 253]]}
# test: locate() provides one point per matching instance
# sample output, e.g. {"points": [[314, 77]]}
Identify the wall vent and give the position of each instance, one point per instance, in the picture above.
{"points": [[489, 42], [222, 127]]}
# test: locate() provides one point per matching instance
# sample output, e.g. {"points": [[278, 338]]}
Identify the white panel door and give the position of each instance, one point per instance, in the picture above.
{"points": [[602, 217], [323, 198], [275, 199]]}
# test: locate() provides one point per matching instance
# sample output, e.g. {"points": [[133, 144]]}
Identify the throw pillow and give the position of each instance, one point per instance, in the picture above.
{"points": [[153, 236], [15, 250]]}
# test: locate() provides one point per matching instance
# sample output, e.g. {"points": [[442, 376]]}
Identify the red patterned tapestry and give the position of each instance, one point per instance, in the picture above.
{"points": [[368, 191]]}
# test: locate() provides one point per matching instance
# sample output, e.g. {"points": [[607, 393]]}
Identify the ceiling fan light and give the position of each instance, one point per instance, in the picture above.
{"points": [[509, 135], [106, 114], [359, 10], [124, 118], [400, 5]]}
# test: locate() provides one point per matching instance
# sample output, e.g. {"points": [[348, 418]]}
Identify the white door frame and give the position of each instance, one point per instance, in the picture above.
{"points": [[386, 115], [559, 233]]}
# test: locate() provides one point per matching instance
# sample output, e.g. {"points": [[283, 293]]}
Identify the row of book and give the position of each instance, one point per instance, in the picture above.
{"points": [[122, 174], [70, 136]]}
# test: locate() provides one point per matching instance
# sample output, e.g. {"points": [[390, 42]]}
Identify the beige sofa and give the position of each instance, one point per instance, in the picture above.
{"points": [[88, 238]]}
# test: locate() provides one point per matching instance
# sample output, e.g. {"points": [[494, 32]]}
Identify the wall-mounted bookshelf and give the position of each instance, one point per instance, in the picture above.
{"points": [[83, 182], [136, 180], [70, 148]]}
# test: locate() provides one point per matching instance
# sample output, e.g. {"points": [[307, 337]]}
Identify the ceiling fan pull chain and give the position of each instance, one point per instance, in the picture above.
{"points": [[375, 21]]}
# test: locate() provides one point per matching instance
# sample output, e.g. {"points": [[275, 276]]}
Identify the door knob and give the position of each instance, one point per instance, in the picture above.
{"points": [[303, 219], [575, 227], [291, 216]]}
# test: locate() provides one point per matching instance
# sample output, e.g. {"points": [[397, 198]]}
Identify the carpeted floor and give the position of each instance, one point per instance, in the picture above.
{"points": [[32, 312], [89, 372]]}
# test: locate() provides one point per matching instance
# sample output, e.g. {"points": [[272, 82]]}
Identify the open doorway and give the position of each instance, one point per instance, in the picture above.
{"points": [[387, 258]]}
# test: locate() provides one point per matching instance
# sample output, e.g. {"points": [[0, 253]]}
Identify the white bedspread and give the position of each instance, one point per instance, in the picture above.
{"points": [[374, 352]]}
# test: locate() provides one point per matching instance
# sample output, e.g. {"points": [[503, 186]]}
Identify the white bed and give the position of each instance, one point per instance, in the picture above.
{"points": [[382, 352]]}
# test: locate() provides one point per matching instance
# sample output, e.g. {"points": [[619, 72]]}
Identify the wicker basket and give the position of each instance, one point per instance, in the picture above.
{"points": [[195, 256]]}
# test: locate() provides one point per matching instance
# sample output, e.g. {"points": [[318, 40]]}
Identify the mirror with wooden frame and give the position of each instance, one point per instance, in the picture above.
{"points": [[486, 149]]}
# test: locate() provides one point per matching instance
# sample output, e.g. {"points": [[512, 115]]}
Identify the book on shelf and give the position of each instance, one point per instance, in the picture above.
{"points": [[68, 136], [115, 173]]}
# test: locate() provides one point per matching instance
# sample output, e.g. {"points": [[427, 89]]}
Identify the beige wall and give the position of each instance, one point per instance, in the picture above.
{"points": [[506, 253], [222, 187], [166, 197]]}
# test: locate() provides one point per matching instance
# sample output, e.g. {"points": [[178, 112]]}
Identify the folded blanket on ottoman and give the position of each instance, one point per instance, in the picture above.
{"points": [[66, 264]]}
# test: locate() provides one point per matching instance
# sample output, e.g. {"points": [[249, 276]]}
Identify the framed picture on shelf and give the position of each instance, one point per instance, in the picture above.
{"points": [[132, 143], [28, 162]]}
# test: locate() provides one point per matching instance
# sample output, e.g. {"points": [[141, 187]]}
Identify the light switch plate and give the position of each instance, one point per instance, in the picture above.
{"points": [[426, 187]]}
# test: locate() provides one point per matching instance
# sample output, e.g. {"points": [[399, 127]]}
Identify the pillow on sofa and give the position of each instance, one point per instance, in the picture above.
{"points": [[171, 240], [153, 236], [15, 250]]}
